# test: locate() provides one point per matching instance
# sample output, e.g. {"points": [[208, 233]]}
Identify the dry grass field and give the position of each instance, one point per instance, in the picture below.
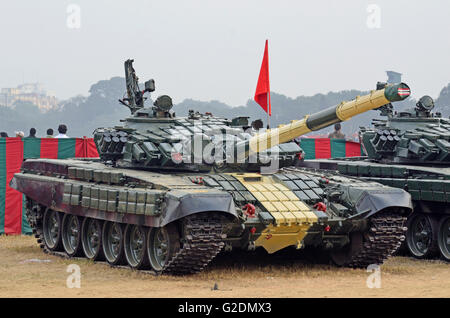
{"points": [[25, 271]]}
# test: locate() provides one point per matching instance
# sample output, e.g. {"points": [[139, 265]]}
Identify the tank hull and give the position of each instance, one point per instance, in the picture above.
{"points": [[229, 210], [429, 186]]}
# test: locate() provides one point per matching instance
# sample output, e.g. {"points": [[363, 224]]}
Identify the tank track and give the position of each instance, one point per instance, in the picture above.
{"points": [[202, 242], [34, 216], [384, 238]]}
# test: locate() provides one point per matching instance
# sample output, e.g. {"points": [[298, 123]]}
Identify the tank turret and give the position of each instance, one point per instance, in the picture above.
{"points": [[154, 138], [414, 136]]}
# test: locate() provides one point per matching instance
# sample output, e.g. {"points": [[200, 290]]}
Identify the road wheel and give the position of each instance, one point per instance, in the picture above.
{"points": [[135, 246], [112, 241], [344, 256], [91, 239], [71, 234], [162, 245], [52, 230], [421, 237], [444, 238]]}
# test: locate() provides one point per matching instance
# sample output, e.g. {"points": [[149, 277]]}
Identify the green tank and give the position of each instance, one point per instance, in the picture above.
{"points": [[409, 150], [169, 193]]}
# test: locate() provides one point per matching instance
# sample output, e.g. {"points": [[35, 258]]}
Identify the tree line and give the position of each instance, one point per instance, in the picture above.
{"points": [[82, 114]]}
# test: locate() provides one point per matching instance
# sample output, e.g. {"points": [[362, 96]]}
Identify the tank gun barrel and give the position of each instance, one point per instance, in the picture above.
{"points": [[342, 112]]}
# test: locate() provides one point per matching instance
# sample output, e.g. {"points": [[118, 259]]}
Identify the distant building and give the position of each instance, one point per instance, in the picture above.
{"points": [[394, 77], [30, 92]]}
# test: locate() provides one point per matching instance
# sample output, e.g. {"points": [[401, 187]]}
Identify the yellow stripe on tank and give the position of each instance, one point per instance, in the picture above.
{"points": [[293, 218]]}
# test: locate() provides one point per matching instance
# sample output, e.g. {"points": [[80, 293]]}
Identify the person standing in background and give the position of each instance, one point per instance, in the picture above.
{"points": [[62, 129], [3, 134], [337, 134], [49, 133], [20, 134], [32, 133]]}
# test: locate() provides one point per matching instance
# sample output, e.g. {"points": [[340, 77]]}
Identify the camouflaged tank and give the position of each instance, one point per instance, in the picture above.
{"points": [[410, 150], [169, 193]]}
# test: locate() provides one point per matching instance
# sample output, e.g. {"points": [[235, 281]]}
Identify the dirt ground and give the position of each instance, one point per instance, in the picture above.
{"points": [[25, 271]]}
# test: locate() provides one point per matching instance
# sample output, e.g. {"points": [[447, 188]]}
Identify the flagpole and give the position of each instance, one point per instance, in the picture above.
{"points": [[268, 109], [269, 106]]}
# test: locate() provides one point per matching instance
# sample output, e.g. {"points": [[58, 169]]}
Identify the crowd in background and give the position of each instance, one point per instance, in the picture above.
{"points": [[62, 133]]}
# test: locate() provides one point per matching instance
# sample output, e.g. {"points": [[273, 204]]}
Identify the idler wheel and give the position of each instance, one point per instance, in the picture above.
{"points": [[71, 234], [162, 245], [421, 235], [135, 245], [113, 239], [91, 239], [444, 238], [52, 230]]}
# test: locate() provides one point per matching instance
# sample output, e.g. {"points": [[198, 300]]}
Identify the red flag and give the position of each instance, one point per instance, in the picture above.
{"points": [[262, 94]]}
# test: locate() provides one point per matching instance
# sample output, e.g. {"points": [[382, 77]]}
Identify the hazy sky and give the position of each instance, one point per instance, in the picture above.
{"points": [[213, 49]]}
